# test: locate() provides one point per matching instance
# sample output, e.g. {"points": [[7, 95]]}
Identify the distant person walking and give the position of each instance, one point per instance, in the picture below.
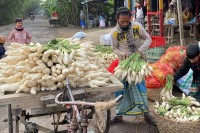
{"points": [[141, 12], [82, 20], [91, 20], [32, 16], [102, 23]]}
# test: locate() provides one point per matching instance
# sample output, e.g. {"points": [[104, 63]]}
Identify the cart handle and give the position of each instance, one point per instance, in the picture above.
{"points": [[81, 102]]}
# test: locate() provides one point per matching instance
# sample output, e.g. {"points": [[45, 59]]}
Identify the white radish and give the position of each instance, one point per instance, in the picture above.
{"points": [[53, 69], [124, 74], [71, 56], [78, 71], [33, 91], [66, 58], [60, 85], [53, 88], [60, 58], [47, 71], [58, 66], [54, 58], [50, 63], [150, 68], [73, 85], [43, 89], [58, 71], [9, 87]]}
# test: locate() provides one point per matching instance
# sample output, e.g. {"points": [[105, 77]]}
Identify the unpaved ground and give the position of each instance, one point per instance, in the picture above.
{"points": [[41, 32]]}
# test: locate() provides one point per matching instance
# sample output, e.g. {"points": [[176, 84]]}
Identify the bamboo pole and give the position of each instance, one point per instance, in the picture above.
{"points": [[129, 4], [149, 16], [161, 18], [180, 19]]}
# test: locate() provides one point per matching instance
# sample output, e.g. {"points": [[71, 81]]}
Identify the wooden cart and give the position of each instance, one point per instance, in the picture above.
{"points": [[44, 104]]}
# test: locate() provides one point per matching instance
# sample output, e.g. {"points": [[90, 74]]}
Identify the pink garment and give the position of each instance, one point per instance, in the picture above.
{"points": [[22, 37]]}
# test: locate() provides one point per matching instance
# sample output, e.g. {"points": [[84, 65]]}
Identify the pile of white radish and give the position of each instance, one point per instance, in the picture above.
{"points": [[106, 59], [35, 67], [105, 55], [185, 109], [133, 69]]}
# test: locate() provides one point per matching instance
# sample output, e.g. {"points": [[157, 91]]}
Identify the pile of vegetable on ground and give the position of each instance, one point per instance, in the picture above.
{"points": [[184, 109], [133, 69], [36, 67]]}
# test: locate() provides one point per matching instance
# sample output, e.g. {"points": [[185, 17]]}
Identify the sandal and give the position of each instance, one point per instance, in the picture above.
{"points": [[116, 119]]}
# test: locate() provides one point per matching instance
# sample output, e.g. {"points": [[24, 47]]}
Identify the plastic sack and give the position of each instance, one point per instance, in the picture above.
{"points": [[105, 39], [168, 64], [102, 23], [171, 21], [185, 82], [173, 56], [79, 35], [152, 82], [158, 78], [112, 66]]}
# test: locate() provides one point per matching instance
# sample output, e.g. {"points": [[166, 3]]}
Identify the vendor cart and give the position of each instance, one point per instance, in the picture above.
{"points": [[63, 101]]}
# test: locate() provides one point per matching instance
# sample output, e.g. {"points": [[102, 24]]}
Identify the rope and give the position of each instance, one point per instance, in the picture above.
{"points": [[99, 108]]}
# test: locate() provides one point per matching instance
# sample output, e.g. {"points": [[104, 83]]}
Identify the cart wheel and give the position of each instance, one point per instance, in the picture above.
{"points": [[107, 117], [108, 121]]}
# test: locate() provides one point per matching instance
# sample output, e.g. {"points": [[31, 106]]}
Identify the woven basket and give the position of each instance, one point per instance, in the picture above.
{"points": [[154, 94], [168, 126]]}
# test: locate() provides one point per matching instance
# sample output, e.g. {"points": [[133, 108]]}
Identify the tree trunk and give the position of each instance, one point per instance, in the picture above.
{"points": [[118, 3], [74, 12]]}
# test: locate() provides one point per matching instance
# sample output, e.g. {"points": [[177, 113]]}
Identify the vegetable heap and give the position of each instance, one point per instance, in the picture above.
{"points": [[185, 109], [34, 67], [105, 55], [133, 69]]}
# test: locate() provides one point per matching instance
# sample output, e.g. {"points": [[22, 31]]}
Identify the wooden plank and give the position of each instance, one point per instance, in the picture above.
{"points": [[28, 101]]}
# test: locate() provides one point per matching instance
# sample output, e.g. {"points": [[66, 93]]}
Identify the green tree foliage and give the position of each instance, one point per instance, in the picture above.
{"points": [[11, 9], [67, 9]]}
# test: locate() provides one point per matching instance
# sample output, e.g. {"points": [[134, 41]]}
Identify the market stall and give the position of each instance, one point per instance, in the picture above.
{"points": [[32, 75]]}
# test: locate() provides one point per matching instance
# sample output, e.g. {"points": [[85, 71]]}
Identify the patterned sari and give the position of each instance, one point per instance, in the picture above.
{"points": [[134, 101]]}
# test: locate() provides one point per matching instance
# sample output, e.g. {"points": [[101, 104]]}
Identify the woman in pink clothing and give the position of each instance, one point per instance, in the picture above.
{"points": [[19, 34]]}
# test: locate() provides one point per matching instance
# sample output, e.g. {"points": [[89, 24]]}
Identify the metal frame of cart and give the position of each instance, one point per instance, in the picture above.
{"points": [[44, 104]]}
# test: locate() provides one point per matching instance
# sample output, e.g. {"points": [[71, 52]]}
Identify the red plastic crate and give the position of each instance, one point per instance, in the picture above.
{"points": [[157, 41]]}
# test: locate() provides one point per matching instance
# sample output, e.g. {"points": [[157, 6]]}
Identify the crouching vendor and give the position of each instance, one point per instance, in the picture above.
{"points": [[129, 37], [187, 78]]}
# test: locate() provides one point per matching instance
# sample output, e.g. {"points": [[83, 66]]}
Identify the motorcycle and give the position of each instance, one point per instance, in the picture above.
{"points": [[32, 17]]}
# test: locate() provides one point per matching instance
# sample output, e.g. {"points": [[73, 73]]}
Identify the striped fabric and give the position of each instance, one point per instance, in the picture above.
{"points": [[185, 82], [194, 90], [134, 101]]}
